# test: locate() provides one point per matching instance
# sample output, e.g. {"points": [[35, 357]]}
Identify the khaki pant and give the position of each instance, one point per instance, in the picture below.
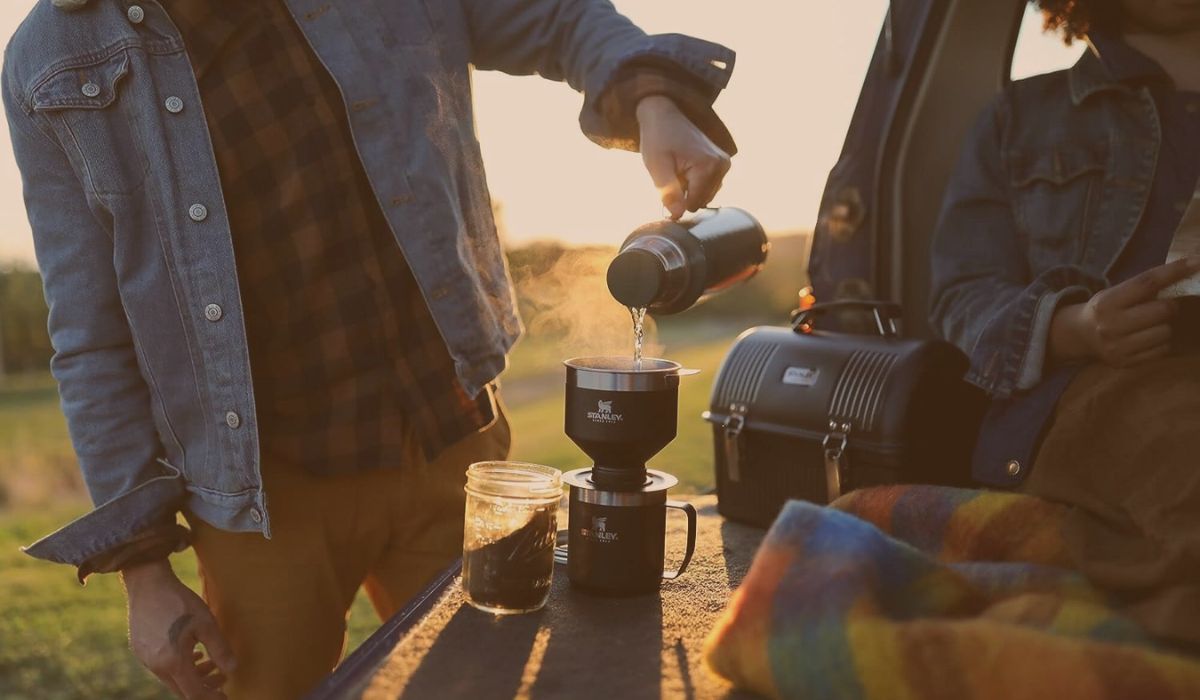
{"points": [[1124, 452], [282, 603]]}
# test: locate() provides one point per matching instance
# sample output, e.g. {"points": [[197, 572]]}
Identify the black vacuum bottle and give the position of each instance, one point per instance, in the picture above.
{"points": [[668, 266]]}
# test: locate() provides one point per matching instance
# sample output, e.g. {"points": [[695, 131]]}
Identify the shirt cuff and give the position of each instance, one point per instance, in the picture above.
{"points": [[656, 76], [1033, 368], [153, 544]]}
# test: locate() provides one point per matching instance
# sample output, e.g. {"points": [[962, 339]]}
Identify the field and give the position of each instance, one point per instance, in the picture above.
{"points": [[58, 640]]}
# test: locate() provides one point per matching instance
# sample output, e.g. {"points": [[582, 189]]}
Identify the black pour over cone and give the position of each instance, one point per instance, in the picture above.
{"points": [[621, 415]]}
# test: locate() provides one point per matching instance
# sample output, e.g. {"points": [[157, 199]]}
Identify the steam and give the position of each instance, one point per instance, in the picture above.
{"points": [[570, 305]]}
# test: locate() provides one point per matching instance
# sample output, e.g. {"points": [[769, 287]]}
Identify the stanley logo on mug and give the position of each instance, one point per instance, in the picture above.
{"points": [[599, 531]]}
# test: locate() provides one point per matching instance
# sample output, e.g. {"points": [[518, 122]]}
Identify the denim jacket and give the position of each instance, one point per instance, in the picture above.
{"points": [[1062, 190], [134, 246], [1051, 186]]}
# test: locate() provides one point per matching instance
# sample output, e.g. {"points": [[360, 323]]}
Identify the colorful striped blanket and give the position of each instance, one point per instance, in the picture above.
{"points": [[926, 592]]}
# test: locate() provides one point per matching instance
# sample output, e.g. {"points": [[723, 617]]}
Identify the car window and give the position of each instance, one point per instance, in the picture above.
{"points": [[1038, 52]]}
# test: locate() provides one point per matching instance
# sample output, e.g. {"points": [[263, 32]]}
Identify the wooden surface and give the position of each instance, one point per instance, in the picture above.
{"points": [[579, 646]]}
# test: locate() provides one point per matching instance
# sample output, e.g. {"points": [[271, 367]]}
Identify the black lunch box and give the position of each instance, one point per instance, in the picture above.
{"points": [[799, 413]]}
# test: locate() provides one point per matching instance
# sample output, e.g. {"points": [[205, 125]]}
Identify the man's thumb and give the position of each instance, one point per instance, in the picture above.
{"points": [[217, 647], [670, 189]]}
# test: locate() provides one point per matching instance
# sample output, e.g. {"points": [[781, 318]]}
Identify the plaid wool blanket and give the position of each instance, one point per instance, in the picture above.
{"points": [[926, 592]]}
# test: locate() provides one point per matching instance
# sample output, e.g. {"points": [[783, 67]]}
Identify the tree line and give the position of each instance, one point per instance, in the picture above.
{"points": [[24, 341]]}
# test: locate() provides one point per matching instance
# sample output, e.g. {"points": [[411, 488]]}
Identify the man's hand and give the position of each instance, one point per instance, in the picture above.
{"points": [[686, 166], [1122, 326], [166, 623]]}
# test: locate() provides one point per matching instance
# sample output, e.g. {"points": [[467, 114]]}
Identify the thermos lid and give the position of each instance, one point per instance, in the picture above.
{"points": [[635, 278], [618, 373]]}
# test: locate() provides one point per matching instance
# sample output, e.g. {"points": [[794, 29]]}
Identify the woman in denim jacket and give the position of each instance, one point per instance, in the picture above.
{"points": [[1049, 271]]}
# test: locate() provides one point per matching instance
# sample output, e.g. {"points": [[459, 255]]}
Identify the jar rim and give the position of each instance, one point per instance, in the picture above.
{"points": [[520, 480]]}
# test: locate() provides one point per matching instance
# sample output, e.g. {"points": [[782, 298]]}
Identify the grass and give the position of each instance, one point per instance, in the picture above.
{"points": [[37, 466], [61, 641], [58, 640]]}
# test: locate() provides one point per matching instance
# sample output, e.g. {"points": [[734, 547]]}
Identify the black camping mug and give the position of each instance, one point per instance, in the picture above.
{"points": [[616, 539]]}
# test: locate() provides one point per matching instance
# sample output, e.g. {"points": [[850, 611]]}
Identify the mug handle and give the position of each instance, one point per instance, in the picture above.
{"points": [[690, 511]]}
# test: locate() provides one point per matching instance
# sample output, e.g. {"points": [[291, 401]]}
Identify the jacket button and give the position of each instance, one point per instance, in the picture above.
{"points": [[198, 212], [90, 90], [233, 420], [174, 105], [1013, 468], [136, 14], [213, 312], [256, 515]]}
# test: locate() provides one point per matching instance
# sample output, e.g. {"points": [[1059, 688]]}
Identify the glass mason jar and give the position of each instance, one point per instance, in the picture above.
{"points": [[508, 541]]}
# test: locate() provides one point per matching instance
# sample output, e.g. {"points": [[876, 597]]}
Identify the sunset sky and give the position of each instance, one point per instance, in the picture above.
{"points": [[799, 69]]}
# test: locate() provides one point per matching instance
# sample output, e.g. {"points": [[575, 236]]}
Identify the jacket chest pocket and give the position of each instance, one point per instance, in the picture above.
{"points": [[418, 30], [406, 23], [1056, 193], [83, 104]]}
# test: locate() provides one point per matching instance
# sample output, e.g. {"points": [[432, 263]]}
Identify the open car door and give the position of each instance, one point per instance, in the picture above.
{"points": [[936, 65]]}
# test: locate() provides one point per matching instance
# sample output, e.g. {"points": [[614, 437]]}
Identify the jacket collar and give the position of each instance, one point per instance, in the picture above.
{"points": [[1111, 65], [1089, 77]]}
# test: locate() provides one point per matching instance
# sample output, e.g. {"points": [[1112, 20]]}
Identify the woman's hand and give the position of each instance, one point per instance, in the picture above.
{"points": [[167, 621], [1124, 325], [686, 166]]}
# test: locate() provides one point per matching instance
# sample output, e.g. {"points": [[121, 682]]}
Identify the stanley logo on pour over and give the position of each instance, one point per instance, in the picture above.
{"points": [[604, 413]]}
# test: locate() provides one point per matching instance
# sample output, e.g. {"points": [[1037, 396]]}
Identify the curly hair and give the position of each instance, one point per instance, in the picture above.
{"points": [[1073, 19]]}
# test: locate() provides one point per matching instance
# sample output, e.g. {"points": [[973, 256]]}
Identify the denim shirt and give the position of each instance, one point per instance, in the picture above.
{"points": [[1055, 181], [133, 241]]}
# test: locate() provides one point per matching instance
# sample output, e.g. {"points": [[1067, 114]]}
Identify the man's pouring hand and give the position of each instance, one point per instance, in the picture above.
{"points": [[167, 621], [686, 166], [1124, 325]]}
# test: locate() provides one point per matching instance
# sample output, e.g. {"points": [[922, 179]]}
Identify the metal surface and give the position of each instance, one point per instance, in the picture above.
{"points": [[671, 273], [841, 265], [969, 62], [834, 446], [693, 258], [560, 547], [619, 374], [734, 424], [885, 314], [653, 492], [690, 511], [667, 251]]}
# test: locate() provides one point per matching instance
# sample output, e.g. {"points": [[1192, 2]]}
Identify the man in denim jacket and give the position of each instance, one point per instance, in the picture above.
{"points": [[1050, 272], [328, 148]]}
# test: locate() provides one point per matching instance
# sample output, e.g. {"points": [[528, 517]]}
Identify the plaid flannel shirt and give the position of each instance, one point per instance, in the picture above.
{"points": [[343, 348]]}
